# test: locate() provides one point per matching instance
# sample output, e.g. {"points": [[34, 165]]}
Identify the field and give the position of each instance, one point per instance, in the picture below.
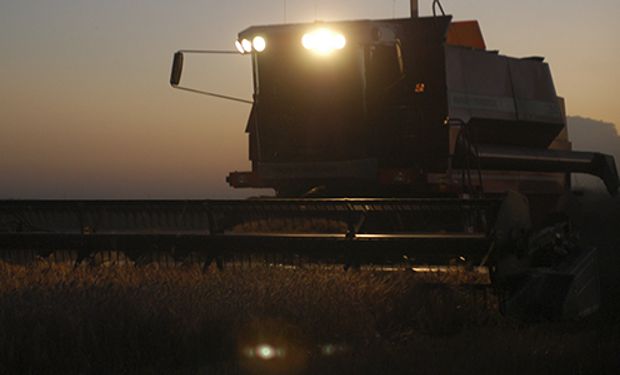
{"points": [[121, 319]]}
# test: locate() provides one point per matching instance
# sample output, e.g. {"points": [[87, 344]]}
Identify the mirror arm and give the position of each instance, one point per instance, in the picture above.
{"points": [[177, 70], [207, 93], [209, 51]]}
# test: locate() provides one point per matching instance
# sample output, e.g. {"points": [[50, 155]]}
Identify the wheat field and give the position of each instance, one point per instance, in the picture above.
{"points": [[124, 319]]}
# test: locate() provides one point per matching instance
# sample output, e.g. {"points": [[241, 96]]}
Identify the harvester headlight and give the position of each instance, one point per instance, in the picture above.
{"points": [[239, 47], [323, 41], [246, 45], [259, 43], [266, 352]]}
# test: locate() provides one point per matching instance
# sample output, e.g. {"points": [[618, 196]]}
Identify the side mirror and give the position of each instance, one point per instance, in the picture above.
{"points": [[177, 69]]}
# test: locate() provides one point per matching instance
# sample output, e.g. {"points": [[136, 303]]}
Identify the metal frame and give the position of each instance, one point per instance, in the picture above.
{"points": [[428, 231]]}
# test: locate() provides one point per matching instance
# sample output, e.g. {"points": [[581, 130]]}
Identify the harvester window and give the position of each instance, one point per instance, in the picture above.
{"points": [[384, 69]]}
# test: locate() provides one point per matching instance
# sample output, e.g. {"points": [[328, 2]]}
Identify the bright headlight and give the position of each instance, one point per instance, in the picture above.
{"points": [[323, 41], [239, 47], [266, 352], [247, 45], [259, 43]]}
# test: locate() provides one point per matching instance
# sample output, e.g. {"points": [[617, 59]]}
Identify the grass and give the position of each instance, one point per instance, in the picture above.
{"points": [[142, 320]]}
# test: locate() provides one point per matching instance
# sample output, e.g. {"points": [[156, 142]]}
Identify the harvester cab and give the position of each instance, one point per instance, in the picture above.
{"points": [[346, 106]]}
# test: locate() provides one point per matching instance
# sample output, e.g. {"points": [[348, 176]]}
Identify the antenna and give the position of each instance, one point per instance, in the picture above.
{"points": [[316, 9], [415, 10], [437, 3]]}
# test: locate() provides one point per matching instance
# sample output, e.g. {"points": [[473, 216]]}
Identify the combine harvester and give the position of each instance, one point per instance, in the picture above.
{"points": [[400, 142]]}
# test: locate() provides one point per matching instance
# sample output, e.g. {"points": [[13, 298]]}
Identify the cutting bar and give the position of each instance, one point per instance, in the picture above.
{"points": [[427, 231]]}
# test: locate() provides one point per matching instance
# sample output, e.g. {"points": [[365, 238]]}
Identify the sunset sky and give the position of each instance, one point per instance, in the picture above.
{"points": [[86, 110]]}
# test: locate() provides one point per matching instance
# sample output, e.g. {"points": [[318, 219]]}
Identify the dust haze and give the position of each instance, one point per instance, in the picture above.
{"points": [[593, 135]]}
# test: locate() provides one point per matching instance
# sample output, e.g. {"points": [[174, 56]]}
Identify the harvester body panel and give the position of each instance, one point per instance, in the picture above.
{"points": [[506, 100]]}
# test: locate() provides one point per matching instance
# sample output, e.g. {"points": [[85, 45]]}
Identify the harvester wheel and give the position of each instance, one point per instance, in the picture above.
{"points": [[543, 273], [568, 209]]}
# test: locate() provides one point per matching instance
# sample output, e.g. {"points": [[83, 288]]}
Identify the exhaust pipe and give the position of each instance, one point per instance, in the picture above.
{"points": [[415, 12]]}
